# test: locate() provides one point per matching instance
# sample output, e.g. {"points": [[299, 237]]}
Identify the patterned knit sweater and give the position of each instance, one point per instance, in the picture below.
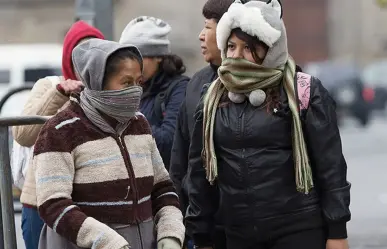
{"points": [[86, 179]]}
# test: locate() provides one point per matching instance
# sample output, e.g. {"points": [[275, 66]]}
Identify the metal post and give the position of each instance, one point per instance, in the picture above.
{"points": [[98, 13], [7, 218], [7, 211], [84, 10], [8, 240], [1, 230], [103, 19]]}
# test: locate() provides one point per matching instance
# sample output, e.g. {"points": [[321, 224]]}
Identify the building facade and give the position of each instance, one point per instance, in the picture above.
{"points": [[37, 21], [307, 29], [317, 29]]}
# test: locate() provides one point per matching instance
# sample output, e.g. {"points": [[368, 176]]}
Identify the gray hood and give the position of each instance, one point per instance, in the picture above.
{"points": [[89, 60]]}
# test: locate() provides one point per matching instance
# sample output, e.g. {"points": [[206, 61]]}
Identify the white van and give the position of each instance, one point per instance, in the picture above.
{"points": [[23, 64]]}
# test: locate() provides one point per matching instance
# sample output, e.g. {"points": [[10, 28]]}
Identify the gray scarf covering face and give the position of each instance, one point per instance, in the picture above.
{"points": [[89, 60], [118, 104]]}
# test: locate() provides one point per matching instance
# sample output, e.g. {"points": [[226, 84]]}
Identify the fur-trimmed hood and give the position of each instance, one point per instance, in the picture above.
{"points": [[260, 19]]}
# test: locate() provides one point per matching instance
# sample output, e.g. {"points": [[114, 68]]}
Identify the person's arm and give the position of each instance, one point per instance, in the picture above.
{"points": [[165, 202], [179, 158], [165, 132], [54, 168], [44, 100], [327, 160], [203, 198]]}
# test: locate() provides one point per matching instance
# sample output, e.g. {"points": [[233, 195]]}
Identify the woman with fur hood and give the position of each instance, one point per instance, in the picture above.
{"points": [[274, 171]]}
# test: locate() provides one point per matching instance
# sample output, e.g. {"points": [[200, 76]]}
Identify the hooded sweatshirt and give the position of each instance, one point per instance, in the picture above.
{"points": [[46, 100], [98, 179], [78, 31]]}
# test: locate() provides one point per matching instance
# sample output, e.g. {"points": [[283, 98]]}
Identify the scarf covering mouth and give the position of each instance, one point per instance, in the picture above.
{"points": [[121, 105]]}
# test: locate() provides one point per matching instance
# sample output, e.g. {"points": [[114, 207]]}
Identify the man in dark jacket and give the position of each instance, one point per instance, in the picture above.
{"points": [[213, 10]]}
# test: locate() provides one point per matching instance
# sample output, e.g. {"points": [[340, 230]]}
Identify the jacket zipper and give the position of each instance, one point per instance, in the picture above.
{"points": [[133, 184], [130, 170], [244, 169], [242, 117]]}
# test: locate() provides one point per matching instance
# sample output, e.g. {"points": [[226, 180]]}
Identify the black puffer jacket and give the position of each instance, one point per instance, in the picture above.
{"points": [[184, 127], [256, 179]]}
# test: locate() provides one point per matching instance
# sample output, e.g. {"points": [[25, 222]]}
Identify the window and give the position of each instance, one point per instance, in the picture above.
{"points": [[32, 75], [5, 76]]}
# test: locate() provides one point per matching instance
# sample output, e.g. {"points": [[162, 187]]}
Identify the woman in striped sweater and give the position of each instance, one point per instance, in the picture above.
{"points": [[100, 179], [48, 96]]}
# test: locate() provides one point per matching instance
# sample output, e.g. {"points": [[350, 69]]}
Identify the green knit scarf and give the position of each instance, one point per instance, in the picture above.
{"points": [[242, 76]]}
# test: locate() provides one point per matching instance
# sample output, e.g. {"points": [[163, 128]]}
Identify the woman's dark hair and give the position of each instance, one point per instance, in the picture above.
{"points": [[172, 65], [215, 9], [272, 94], [114, 60]]}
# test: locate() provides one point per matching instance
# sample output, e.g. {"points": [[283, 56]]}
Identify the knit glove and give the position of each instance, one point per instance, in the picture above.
{"points": [[168, 243], [125, 247]]}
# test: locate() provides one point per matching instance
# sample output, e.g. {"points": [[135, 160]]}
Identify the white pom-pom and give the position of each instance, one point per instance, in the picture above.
{"points": [[236, 97], [257, 97]]}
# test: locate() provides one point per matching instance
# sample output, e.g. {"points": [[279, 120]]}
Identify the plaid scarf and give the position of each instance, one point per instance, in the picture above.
{"points": [[242, 76]]}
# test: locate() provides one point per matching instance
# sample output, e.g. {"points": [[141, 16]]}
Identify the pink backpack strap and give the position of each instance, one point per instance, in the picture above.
{"points": [[303, 89]]}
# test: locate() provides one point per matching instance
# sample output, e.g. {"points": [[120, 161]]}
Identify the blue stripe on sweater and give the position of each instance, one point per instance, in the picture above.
{"points": [[117, 203], [157, 162], [168, 193], [97, 162], [66, 122], [66, 210], [139, 155], [101, 161], [97, 240], [54, 178]]}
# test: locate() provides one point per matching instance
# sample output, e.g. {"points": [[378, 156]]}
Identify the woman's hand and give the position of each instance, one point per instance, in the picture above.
{"points": [[337, 244], [70, 86], [168, 243]]}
